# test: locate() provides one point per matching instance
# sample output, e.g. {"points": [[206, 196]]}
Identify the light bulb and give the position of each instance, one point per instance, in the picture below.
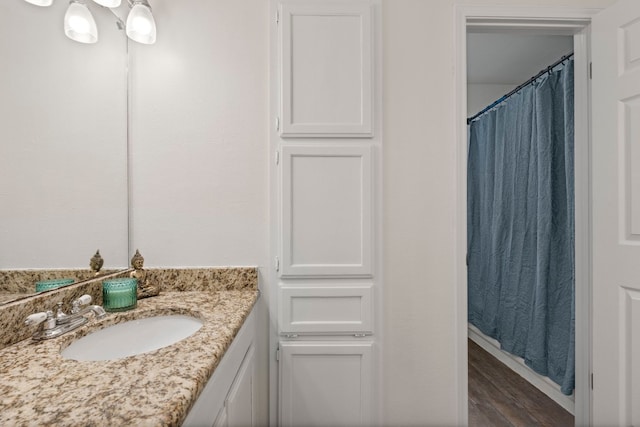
{"points": [[40, 2], [141, 26], [108, 3], [79, 24]]}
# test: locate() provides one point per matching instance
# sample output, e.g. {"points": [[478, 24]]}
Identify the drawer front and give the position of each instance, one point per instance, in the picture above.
{"points": [[326, 310]]}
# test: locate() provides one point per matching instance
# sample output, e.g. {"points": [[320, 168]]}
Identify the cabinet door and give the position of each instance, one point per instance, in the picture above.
{"points": [[240, 404], [326, 69], [227, 386], [326, 211], [329, 310], [221, 419], [325, 384]]}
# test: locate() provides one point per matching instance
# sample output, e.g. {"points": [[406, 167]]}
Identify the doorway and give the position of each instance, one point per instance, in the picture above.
{"points": [[498, 62], [528, 23]]}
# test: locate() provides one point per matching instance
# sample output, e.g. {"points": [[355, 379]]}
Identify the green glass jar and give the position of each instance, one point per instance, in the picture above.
{"points": [[46, 285], [120, 294]]}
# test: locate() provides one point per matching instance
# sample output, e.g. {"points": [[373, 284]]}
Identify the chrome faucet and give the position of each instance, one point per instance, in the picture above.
{"points": [[78, 311], [54, 325]]}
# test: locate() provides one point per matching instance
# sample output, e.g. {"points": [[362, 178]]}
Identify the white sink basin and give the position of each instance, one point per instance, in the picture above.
{"points": [[132, 337]]}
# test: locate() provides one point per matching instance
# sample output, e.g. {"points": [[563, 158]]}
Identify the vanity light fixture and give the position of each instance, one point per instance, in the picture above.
{"points": [[80, 26], [141, 26], [40, 2], [108, 3]]}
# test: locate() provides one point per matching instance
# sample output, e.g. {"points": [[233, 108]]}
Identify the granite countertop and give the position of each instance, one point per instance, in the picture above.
{"points": [[158, 388]]}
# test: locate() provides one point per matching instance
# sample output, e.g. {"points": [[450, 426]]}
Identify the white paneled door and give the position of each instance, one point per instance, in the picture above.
{"points": [[326, 210], [326, 69], [616, 214], [324, 384]]}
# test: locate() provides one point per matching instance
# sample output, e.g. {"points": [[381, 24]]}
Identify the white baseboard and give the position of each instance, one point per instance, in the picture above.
{"points": [[517, 365]]}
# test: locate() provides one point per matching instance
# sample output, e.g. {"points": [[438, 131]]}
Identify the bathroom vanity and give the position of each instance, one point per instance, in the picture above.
{"points": [[203, 379]]}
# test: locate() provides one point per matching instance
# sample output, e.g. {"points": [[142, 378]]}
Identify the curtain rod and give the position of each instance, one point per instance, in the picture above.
{"points": [[525, 84]]}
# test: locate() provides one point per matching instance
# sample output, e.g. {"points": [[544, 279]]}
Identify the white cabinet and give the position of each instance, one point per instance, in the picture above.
{"points": [[325, 384], [326, 196], [326, 210], [336, 309], [221, 419], [229, 397], [239, 406], [240, 403], [326, 69]]}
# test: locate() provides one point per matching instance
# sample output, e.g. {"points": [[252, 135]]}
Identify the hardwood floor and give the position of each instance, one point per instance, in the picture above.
{"points": [[500, 397]]}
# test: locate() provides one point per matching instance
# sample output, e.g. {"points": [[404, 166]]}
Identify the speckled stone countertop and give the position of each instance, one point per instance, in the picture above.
{"points": [[206, 279], [158, 388]]}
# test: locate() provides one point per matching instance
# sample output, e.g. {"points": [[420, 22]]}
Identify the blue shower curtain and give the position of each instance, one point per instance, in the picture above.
{"points": [[521, 225]]}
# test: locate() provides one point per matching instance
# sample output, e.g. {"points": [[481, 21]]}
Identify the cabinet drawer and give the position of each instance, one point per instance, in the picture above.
{"points": [[319, 310]]}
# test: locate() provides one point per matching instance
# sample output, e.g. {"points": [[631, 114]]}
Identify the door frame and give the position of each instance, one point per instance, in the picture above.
{"points": [[559, 20]]}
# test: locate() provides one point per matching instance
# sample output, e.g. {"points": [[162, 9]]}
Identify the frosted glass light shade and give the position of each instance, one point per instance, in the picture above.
{"points": [[141, 26], [79, 24], [108, 3], [40, 2]]}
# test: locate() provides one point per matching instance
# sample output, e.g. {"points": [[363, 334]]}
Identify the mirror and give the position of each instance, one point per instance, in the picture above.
{"points": [[21, 284], [63, 141]]}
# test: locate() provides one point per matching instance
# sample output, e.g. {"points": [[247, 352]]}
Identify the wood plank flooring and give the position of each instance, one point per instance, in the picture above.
{"points": [[500, 397]]}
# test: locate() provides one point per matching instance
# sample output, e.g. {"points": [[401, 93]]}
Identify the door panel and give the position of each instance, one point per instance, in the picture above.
{"points": [[326, 211], [630, 128], [616, 214], [240, 402], [326, 69], [325, 384], [326, 310]]}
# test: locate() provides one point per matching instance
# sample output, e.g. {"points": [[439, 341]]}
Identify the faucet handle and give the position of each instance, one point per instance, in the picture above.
{"points": [[35, 318], [83, 300]]}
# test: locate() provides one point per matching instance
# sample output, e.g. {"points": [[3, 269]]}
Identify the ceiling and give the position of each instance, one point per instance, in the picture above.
{"points": [[510, 58]]}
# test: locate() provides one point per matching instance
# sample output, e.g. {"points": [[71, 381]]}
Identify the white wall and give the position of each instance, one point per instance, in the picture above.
{"points": [[198, 135], [481, 95], [62, 141], [420, 207], [497, 62]]}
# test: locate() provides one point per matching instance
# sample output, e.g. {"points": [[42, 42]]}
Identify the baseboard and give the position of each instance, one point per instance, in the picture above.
{"points": [[517, 365]]}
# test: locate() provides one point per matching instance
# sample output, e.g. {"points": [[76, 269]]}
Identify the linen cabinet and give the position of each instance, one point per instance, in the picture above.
{"points": [[326, 198]]}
